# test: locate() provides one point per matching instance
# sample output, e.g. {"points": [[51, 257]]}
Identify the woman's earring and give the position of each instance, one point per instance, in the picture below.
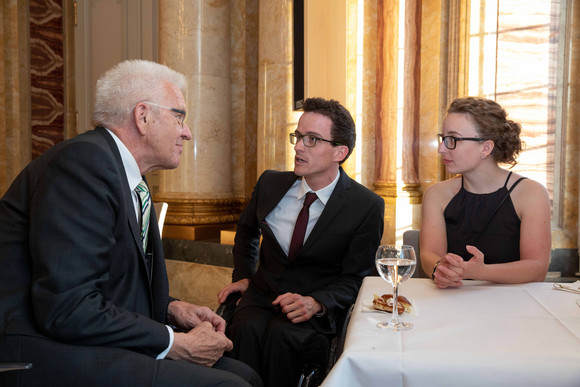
{"points": [[483, 157]]}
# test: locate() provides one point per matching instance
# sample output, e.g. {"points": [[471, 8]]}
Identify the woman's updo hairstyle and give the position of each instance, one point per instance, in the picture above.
{"points": [[491, 122]]}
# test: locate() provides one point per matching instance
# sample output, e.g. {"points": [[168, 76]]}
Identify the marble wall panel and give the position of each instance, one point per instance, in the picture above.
{"points": [[567, 234], [194, 38], [14, 91], [205, 168], [369, 84], [432, 96], [276, 119], [244, 101]]}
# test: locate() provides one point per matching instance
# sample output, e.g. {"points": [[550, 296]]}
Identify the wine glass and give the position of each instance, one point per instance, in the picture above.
{"points": [[395, 264]]}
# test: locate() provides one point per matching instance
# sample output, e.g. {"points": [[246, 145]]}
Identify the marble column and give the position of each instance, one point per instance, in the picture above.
{"points": [[570, 220], [194, 38], [411, 92], [433, 96], [367, 111], [398, 122], [410, 195], [15, 141], [386, 114], [276, 117], [245, 18]]}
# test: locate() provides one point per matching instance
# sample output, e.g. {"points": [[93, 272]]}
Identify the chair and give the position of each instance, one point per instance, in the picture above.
{"points": [[312, 372], [412, 237], [312, 375], [161, 211], [226, 309]]}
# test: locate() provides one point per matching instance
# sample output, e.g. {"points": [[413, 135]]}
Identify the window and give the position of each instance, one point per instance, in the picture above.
{"points": [[517, 56]]}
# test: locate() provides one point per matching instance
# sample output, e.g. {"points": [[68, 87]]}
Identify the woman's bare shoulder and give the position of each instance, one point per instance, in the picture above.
{"points": [[527, 186], [529, 194], [445, 187], [442, 192]]}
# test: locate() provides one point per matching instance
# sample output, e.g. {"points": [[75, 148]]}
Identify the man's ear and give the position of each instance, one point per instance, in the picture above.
{"points": [[142, 116], [341, 152]]}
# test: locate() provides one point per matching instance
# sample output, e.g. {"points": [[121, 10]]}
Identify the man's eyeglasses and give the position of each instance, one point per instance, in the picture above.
{"points": [[182, 113], [451, 141], [308, 140]]}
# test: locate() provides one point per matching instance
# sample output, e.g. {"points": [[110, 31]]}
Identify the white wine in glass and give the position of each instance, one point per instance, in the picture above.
{"points": [[395, 264]]}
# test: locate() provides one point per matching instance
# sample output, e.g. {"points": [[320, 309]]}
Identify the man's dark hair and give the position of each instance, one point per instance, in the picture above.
{"points": [[343, 130]]}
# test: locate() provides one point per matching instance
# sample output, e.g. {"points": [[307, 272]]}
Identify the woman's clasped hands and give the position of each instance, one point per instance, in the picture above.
{"points": [[452, 269]]}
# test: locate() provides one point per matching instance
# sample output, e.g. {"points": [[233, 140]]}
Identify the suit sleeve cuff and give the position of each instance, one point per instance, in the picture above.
{"points": [[322, 312], [164, 353]]}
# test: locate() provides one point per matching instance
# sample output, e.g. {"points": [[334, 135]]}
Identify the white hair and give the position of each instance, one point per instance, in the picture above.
{"points": [[128, 83]]}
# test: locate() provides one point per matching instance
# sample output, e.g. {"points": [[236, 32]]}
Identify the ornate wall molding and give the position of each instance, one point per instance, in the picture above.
{"points": [[200, 211], [46, 74]]}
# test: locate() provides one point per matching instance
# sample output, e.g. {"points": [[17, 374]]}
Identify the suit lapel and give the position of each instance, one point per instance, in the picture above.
{"points": [[126, 194], [275, 189], [280, 185], [133, 224], [158, 284]]}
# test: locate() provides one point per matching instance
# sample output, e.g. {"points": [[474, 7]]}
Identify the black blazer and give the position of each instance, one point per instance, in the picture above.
{"points": [[72, 264], [329, 267]]}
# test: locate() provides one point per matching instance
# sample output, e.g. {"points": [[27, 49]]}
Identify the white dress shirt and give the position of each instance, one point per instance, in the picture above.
{"points": [[283, 217]]}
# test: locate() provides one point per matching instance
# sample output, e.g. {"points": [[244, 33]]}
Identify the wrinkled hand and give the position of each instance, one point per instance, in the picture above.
{"points": [[452, 269], [186, 316], [202, 345], [238, 286], [296, 307]]}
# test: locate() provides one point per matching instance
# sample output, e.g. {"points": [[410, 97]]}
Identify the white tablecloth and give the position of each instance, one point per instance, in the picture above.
{"points": [[480, 334]]}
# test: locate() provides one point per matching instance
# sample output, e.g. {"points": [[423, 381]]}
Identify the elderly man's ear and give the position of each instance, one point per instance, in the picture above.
{"points": [[141, 114]]}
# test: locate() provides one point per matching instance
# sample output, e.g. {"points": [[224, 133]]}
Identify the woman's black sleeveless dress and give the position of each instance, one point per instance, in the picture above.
{"points": [[467, 215]]}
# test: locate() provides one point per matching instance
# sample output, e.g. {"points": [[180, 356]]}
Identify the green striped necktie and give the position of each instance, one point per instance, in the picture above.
{"points": [[145, 200]]}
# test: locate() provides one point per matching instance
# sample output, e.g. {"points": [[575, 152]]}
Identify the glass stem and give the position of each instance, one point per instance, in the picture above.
{"points": [[395, 319]]}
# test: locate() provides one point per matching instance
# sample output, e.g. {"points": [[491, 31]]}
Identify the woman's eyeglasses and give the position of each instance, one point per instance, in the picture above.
{"points": [[451, 141]]}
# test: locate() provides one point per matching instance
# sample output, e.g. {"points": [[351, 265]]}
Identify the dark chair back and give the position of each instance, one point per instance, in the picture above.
{"points": [[412, 237]]}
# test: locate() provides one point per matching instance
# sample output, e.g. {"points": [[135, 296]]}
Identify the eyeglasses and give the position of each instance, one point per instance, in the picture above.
{"points": [[178, 111], [451, 141], [308, 140]]}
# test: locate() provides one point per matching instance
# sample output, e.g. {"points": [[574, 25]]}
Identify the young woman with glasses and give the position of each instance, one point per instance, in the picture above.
{"points": [[487, 223]]}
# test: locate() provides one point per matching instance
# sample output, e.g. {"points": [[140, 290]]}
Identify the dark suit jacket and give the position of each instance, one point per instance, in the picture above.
{"points": [[72, 264], [329, 267]]}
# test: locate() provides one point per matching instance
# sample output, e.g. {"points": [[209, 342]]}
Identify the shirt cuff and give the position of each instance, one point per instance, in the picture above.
{"points": [[164, 353]]}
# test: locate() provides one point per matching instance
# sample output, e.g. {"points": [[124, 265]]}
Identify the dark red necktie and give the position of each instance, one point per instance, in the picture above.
{"points": [[301, 223]]}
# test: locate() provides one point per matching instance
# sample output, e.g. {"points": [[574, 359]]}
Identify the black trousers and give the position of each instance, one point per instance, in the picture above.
{"points": [[57, 364], [275, 347]]}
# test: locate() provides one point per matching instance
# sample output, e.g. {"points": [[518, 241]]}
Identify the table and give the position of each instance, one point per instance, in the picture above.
{"points": [[481, 334]]}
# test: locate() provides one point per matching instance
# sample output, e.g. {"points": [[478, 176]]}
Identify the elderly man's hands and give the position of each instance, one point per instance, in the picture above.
{"points": [[186, 316], [201, 345], [205, 341]]}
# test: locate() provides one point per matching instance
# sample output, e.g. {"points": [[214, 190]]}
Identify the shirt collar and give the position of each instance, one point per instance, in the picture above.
{"points": [[323, 194], [131, 168]]}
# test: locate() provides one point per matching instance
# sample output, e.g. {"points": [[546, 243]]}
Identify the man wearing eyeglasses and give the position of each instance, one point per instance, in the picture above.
{"points": [[83, 285], [292, 294]]}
